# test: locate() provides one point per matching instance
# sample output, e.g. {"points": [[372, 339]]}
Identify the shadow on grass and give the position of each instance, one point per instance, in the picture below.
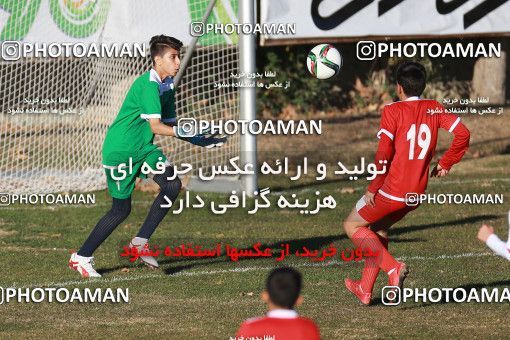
{"points": [[323, 241], [312, 185], [166, 271], [312, 243]]}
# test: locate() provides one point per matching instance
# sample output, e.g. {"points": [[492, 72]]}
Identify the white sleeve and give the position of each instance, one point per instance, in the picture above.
{"points": [[498, 246]]}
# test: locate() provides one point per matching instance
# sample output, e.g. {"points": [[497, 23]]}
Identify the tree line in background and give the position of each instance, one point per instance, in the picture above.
{"points": [[366, 86]]}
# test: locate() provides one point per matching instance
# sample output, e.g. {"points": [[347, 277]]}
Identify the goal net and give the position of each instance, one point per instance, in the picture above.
{"points": [[54, 112]]}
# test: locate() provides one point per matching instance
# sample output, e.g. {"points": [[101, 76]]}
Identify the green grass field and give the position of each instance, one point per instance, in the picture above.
{"points": [[209, 298]]}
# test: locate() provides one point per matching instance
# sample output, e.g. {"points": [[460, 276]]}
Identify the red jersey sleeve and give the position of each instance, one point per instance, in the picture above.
{"points": [[386, 149], [460, 141]]}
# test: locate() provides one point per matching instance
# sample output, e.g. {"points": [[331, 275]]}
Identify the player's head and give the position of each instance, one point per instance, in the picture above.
{"points": [[165, 53], [411, 78], [283, 287]]}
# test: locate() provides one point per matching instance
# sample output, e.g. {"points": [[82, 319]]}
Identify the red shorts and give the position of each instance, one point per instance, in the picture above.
{"points": [[385, 210]]}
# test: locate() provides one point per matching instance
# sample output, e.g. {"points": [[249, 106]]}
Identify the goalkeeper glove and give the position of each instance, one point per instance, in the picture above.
{"points": [[206, 142], [200, 139]]}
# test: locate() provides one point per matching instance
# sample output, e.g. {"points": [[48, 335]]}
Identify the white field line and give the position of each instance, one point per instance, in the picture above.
{"points": [[32, 249], [276, 193], [233, 270]]}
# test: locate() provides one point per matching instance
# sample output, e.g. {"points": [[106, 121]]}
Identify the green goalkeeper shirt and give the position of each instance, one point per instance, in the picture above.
{"points": [[130, 134]]}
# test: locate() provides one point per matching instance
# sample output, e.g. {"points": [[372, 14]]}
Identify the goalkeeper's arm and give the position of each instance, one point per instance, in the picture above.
{"points": [[160, 128], [383, 157]]}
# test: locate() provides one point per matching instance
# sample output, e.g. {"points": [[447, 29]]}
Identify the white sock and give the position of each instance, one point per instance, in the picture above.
{"points": [[139, 241], [498, 246], [79, 257]]}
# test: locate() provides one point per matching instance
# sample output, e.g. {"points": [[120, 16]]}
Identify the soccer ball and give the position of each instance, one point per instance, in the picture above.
{"points": [[324, 61]]}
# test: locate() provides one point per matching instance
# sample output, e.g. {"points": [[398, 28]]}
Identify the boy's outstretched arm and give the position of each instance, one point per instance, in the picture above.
{"points": [[384, 154], [159, 128], [486, 235], [383, 157], [458, 147]]}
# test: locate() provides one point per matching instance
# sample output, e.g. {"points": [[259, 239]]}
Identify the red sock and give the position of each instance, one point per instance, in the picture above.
{"points": [[371, 269], [365, 238]]}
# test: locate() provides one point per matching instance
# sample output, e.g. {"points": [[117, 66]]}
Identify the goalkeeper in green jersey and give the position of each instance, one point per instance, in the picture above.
{"points": [[148, 110]]}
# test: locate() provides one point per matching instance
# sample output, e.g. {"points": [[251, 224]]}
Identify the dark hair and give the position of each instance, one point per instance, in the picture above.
{"points": [[284, 285], [159, 43], [411, 76]]}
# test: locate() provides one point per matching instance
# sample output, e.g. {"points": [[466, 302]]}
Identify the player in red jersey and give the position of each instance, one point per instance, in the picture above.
{"points": [[408, 136], [282, 322]]}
